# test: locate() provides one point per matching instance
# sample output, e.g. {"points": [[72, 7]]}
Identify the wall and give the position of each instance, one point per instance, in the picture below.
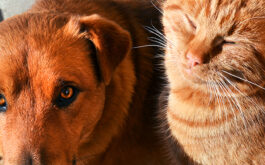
{"points": [[13, 7]]}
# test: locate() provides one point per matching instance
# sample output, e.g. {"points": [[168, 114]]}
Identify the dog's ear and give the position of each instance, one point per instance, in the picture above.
{"points": [[111, 41]]}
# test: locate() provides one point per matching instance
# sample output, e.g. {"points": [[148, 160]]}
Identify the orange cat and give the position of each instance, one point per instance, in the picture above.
{"points": [[215, 61]]}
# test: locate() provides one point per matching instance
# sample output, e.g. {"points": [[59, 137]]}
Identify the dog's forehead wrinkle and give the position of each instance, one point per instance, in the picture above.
{"points": [[23, 75]]}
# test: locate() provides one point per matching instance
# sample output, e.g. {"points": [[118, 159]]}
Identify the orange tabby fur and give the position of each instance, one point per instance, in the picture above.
{"points": [[214, 49]]}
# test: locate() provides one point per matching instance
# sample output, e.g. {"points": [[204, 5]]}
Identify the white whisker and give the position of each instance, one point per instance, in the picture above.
{"points": [[161, 11], [250, 100], [230, 100], [217, 98], [159, 34], [249, 19], [144, 46], [209, 90], [238, 105], [250, 82], [223, 100]]}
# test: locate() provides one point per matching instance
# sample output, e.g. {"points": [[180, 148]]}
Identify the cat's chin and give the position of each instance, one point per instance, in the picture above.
{"points": [[194, 76]]}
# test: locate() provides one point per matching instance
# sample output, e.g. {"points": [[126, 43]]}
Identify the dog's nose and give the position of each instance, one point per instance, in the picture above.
{"points": [[74, 162], [28, 160]]}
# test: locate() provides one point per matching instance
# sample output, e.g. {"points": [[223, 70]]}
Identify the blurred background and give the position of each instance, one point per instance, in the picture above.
{"points": [[10, 8]]}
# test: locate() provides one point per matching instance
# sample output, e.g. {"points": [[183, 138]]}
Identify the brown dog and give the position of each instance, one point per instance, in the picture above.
{"points": [[72, 89]]}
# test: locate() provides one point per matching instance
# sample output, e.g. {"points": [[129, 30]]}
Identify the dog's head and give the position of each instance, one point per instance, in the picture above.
{"points": [[54, 72]]}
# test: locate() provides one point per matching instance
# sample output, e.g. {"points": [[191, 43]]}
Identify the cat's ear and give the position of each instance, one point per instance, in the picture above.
{"points": [[111, 41]]}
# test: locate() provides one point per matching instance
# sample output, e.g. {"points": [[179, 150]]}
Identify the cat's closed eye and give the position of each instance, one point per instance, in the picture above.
{"points": [[192, 23], [222, 41]]}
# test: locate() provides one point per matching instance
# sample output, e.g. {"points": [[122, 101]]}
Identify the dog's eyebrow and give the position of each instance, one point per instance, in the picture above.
{"points": [[62, 82]]}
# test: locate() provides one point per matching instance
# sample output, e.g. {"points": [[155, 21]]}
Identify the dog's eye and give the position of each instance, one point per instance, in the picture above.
{"points": [[67, 96], [67, 92], [3, 103]]}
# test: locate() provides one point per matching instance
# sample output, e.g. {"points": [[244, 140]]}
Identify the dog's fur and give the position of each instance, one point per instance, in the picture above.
{"points": [[110, 122]]}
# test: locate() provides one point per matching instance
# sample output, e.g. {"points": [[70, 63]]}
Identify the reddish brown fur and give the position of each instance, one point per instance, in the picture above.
{"points": [[217, 125], [110, 122]]}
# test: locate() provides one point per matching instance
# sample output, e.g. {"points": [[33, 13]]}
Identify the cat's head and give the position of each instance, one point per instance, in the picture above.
{"points": [[215, 42]]}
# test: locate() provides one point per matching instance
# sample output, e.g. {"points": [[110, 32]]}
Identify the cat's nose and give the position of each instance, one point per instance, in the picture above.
{"points": [[194, 59]]}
